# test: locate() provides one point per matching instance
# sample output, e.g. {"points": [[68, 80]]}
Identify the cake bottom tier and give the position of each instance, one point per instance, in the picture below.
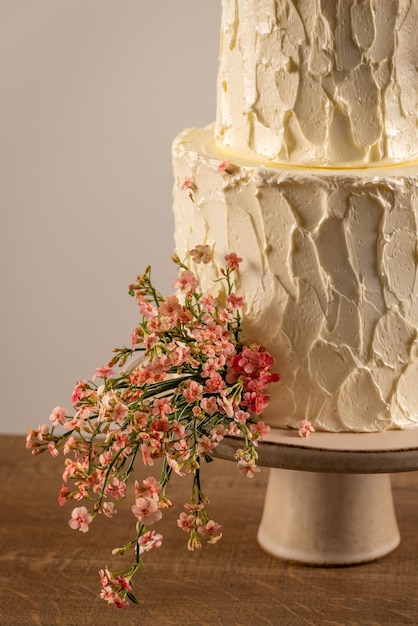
{"points": [[329, 277]]}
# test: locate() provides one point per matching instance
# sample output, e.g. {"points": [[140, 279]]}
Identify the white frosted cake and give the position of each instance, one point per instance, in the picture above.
{"points": [[317, 123]]}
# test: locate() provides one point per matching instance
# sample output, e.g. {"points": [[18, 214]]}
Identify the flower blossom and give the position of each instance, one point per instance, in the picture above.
{"points": [[109, 509], [150, 541], [224, 167], [246, 468], [207, 303], [192, 391], [235, 302], [186, 282], [201, 254], [161, 407], [103, 372], [305, 428], [205, 445], [119, 412], [259, 431], [116, 489], [186, 522], [209, 405], [171, 306], [78, 391], [146, 511], [233, 261], [188, 183], [150, 488], [214, 383], [80, 519], [58, 416], [63, 495], [147, 310], [210, 528]]}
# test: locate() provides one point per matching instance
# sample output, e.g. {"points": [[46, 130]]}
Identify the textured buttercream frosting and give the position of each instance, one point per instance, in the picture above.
{"points": [[319, 81], [317, 118], [329, 277]]}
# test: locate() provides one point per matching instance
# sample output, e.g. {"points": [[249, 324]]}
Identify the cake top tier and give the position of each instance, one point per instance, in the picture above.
{"points": [[321, 82]]}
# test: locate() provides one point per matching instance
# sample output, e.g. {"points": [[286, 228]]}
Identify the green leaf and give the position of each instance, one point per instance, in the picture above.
{"points": [[131, 597]]}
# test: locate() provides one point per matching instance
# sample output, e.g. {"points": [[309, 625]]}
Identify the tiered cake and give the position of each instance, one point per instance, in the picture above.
{"points": [[317, 123]]}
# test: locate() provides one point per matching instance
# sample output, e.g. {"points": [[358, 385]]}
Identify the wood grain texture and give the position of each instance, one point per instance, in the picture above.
{"points": [[48, 573]]}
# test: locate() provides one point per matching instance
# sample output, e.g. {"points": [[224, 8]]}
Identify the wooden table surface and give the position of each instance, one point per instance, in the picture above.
{"points": [[49, 573]]}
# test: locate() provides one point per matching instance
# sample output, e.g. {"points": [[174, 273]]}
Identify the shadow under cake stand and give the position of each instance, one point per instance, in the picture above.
{"points": [[329, 497]]}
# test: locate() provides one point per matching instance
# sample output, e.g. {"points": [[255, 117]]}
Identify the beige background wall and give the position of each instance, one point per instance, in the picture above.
{"points": [[92, 92]]}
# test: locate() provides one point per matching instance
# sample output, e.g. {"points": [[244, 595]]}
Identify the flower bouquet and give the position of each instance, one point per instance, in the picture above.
{"points": [[186, 381]]}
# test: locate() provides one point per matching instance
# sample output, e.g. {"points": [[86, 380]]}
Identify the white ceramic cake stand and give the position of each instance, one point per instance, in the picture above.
{"points": [[329, 497]]}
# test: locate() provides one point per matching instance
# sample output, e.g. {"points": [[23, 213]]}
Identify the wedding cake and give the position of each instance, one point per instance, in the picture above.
{"points": [[310, 174]]}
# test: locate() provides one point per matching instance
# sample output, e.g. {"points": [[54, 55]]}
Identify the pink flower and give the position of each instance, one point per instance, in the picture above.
{"points": [[305, 428], [42, 432], [171, 306], [64, 492], [188, 184], [209, 405], [256, 402], [146, 454], [146, 511], [241, 416], [150, 489], [226, 406], [207, 303], [70, 444], [53, 450], [111, 596], [191, 506], [186, 282], [80, 519], [105, 577], [150, 540], [233, 261], [58, 416], [179, 355], [147, 310], [210, 528], [78, 392], [174, 465], [234, 429], [205, 445], [192, 391], [109, 509], [235, 301], [161, 407], [103, 372], [116, 489], [120, 412], [215, 383], [124, 583], [248, 361], [212, 365], [121, 442], [196, 410], [106, 457], [201, 254], [223, 166], [218, 432], [247, 469], [259, 430], [186, 522]]}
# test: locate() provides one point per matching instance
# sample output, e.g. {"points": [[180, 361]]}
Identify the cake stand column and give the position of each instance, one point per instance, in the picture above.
{"points": [[327, 518], [329, 497]]}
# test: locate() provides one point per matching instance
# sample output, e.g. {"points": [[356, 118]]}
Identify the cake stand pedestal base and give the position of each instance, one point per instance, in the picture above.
{"points": [[328, 519], [329, 498]]}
